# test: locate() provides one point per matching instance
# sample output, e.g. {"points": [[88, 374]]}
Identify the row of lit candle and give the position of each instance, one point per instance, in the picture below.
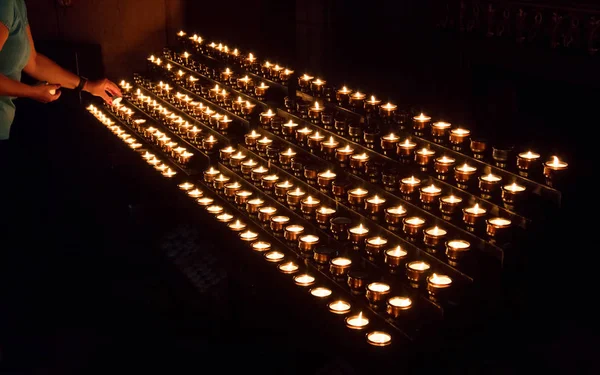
{"points": [[150, 158], [553, 168], [337, 306]]}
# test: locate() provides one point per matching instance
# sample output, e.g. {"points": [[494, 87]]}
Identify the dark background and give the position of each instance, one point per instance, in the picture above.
{"points": [[87, 286]]}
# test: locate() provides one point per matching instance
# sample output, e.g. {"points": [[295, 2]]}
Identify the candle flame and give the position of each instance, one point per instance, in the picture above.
{"points": [[345, 89], [316, 105]]}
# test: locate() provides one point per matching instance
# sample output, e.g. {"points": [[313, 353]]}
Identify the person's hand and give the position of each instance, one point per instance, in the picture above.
{"points": [[103, 88], [45, 93]]}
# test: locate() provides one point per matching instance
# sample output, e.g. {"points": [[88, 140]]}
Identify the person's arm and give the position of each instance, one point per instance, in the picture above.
{"points": [[42, 68], [10, 87]]}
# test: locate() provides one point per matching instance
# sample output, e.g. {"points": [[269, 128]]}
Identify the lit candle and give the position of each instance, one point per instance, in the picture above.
{"points": [[285, 75], [512, 193], [293, 232], [458, 135], [248, 108], [394, 257], [314, 141], [433, 237], [323, 215], [302, 134], [463, 173], [316, 86], [338, 267], [309, 205], [258, 173], [412, 225], [224, 217], [214, 209], [251, 138], [224, 123], [209, 143], [339, 307], [526, 160], [261, 90], [553, 169], [314, 112], [321, 292], [357, 196], [489, 183], [343, 154], [237, 226], [274, 256], [377, 292], [397, 305], [268, 182], [436, 284], [211, 174], [220, 181], [442, 165], [358, 234], [449, 203], [409, 185], [343, 95], [253, 205], [186, 186], [420, 122], [266, 213], [457, 249], [415, 270], [358, 161], [324, 180], [225, 154], [281, 189], [245, 83], [308, 243], [497, 226], [357, 99], [261, 246], [304, 81], [428, 194], [204, 201], [289, 128], [423, 156], [266, 69], [357, 321], [472, 215], [236, 159], [304, 280], [374, 204], [226, 75], [285, 157], [439, 129], [293, 197], [266, 117], [242, 197], [394, 215], [387, 110], [169, 173], [388, 142], [375, 245], [288, 268], [278, 223], [231, 188]]}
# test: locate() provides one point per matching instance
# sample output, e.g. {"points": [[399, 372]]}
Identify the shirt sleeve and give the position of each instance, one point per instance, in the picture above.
{"points": [[7, 13]]}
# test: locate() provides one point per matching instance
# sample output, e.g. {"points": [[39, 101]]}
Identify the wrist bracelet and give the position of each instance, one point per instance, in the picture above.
{"points": [[82, 82]]}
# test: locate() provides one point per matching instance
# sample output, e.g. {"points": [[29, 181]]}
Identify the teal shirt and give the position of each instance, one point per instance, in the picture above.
{"points": [[14, 55]]}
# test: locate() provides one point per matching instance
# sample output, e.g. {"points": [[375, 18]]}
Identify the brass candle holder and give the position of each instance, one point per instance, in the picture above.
{"points": [[314, 113], [248, 236], [236, 226], [388, 143], [251, 139], [358, 162], [281, 189], [293, 197], [371, 104], [292, 233], [429, 195], [527, 160], [415, 272], [257, 174], [340, 188], [374, 246], [478, 147], [498, 227], [501, 154], [472, 216], [456, 250], [357, 100], [439, 130], [438, 285], [339, 226], [387, 111], [342, 96], [231, 188], [394, 258], [357, 322], [247, 166], [463, 174], [308, 243], [209, 144], [304, 82], [458, 137], [253, 205], [405, 149], [308, 206], [420, 123], [268, 183], [423, 157], [338, 267], [235, 161], [261, 90], [489, 184], [374, 205], [512, 194], [434, 237], [314, 141], [274, 256], [357, 235], [322, 255], [242, 197], [398, 306], [379, 338], [211, 174], [288, 268], [377, 293], [554, 169], [219, 182], [394, 215], [448, 206], [443, 165], [285, 158], [356, 197], [357, 280], [262, 145], [408, 186], [328, 148], [324, 180], [226, 153], [323, 215], [247, 109], [342, 155], [245, 83], [278, 223], [412, 226], [316, 87], [266, 117], [265, 214], [302, 135]]}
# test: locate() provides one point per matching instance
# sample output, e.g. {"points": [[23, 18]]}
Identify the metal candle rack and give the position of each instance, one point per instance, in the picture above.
{"points": [[213, 56], [424, 312]]}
